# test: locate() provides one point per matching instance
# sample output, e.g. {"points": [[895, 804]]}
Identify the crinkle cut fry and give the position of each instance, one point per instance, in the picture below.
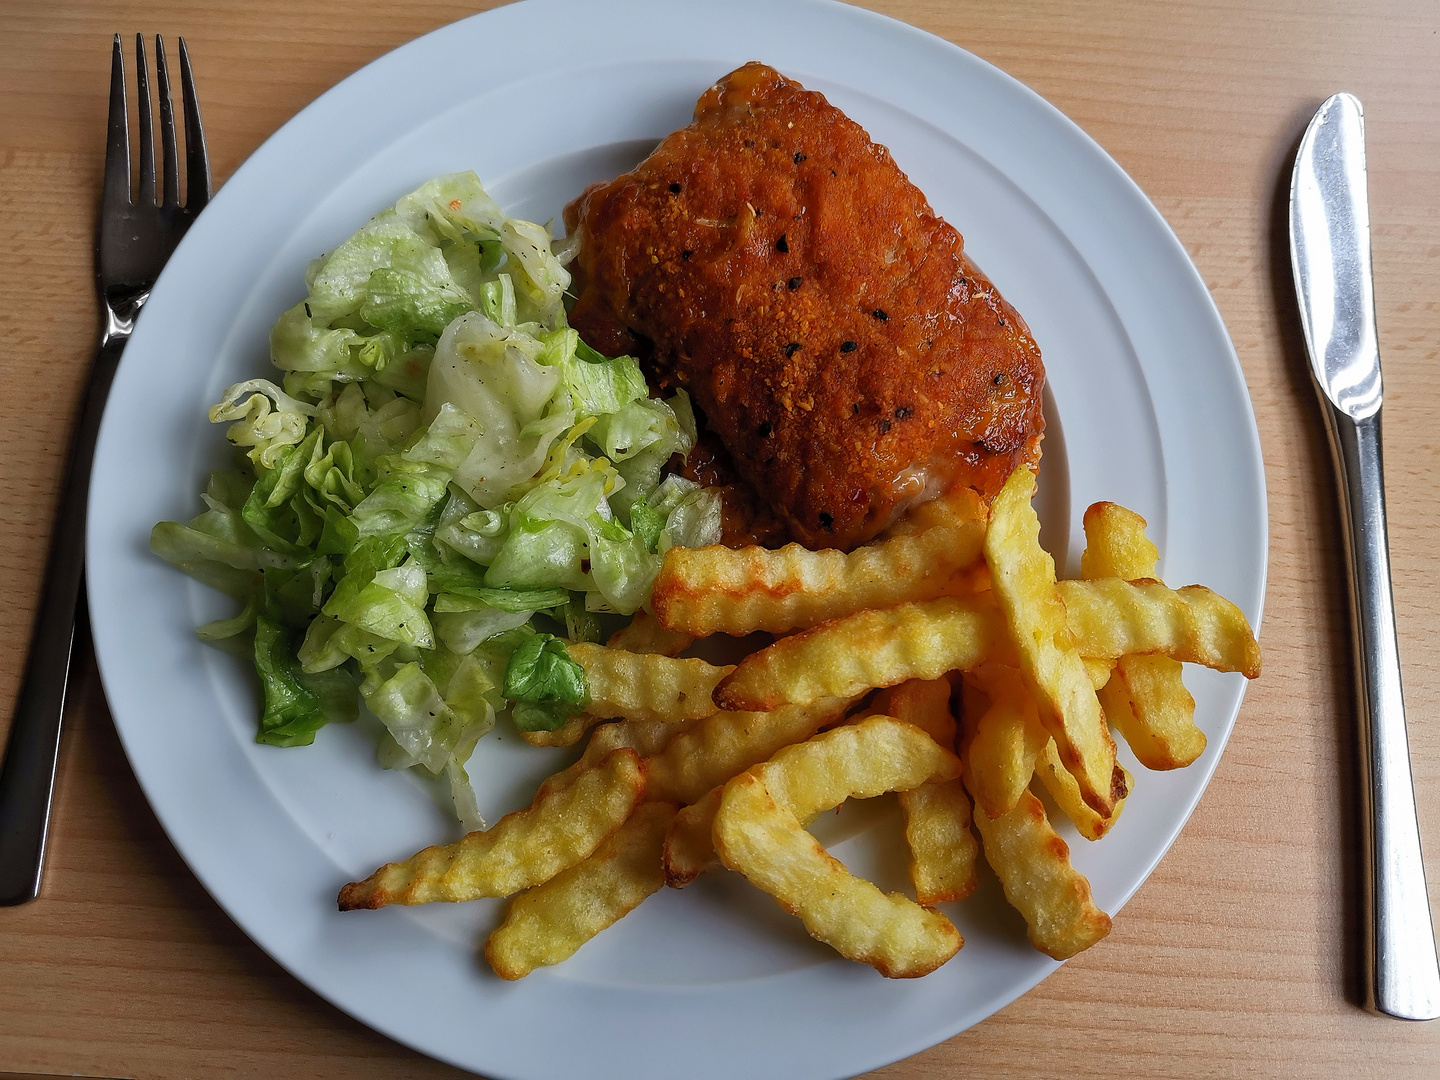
{"points": [[645, 737], [736, 591], [1066, 793], [1023, 580], [861, 760], [943, 851], [646, 635], [520, 850], [726, 743], [635, 686], [546, 924], [765, 842], [1033, 865], [690, 842], [642, 686], [924, 640], [1148, 704], [849, 656], [1112, 618]]}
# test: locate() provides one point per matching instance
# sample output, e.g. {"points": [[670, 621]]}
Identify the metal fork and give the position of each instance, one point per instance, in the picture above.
{"points": [[136, 238]]}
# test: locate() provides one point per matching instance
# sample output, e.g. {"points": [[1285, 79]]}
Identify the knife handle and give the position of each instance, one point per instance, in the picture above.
{"points": [[1403, 972]]}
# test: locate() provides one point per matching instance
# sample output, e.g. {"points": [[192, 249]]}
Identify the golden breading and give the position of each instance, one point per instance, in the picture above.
{"points": [[520, 850], [828, 324]]}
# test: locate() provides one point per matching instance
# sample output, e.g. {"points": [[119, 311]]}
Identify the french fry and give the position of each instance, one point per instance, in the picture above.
{"points": [[924, 703], [689, 842], [936, 814], [520, 850], [646, 635], [1116, 544], [758, 832], [1004, 742], [567, 734], [870, 648], [644, 686], [943, 851], [645, 737], [1149, 704], [859, 761], [1150, 707], [1033, 865], [726, 743], [717, 589], [1112, 618], [1066, 793], [955, 507], [637, 686], [1023, 577], [546, 924]]}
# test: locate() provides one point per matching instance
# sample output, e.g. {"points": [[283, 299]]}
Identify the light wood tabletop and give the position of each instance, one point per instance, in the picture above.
{"points": [[1239, 956]]}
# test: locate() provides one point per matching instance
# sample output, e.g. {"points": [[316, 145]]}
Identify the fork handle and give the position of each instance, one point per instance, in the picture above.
{"points": [[1403, 976], [27, 777]]}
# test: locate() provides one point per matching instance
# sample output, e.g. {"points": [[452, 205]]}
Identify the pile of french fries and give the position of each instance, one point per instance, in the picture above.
{"points": [[691, 767]]}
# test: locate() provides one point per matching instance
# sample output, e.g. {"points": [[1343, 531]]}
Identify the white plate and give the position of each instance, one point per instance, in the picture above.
{"points": [[1148, 408]]}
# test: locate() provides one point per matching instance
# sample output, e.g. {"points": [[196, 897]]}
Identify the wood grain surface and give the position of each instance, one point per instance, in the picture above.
{"points": [[1237, 958]]}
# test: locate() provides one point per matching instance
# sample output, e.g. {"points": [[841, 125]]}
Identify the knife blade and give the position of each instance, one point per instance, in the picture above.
{"points": [[1330, 254]]}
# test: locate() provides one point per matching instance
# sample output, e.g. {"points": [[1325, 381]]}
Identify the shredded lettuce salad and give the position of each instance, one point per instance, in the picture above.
{"points": [[445, 482]]}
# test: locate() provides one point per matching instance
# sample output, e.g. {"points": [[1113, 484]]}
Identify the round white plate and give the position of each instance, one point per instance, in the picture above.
{"points": [[1148, 408]]}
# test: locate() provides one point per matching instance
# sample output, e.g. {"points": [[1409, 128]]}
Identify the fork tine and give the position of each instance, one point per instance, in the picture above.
{"points": [[170, 192], [146, 194], [117, 143], [197, 160]]}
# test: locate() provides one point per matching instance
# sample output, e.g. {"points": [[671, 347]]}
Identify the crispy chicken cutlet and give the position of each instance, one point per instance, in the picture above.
{"points": [[778, 264]]}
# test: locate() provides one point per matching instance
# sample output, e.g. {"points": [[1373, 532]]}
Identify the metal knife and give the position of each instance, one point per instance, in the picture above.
{"points": [[1330, 253]]}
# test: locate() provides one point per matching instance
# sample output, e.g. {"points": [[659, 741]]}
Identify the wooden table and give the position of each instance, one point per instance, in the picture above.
{"points": [[1237, 958]]}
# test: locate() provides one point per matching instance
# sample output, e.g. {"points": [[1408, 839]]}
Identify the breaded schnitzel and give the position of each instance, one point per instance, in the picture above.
{"points": [[849, 356]]}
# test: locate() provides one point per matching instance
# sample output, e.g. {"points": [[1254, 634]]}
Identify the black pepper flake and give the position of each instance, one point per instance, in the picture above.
{"points": [[795, 282], [764, 430], [855, 409], [826, 521], [685, 255], [799, 157], [782, 245], [792, 349], [675, 189], [880, 314], [884, 427], [750, 144], [1002, 320], [848, 346], [903, 412], [307, 312], [999, 379]]}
